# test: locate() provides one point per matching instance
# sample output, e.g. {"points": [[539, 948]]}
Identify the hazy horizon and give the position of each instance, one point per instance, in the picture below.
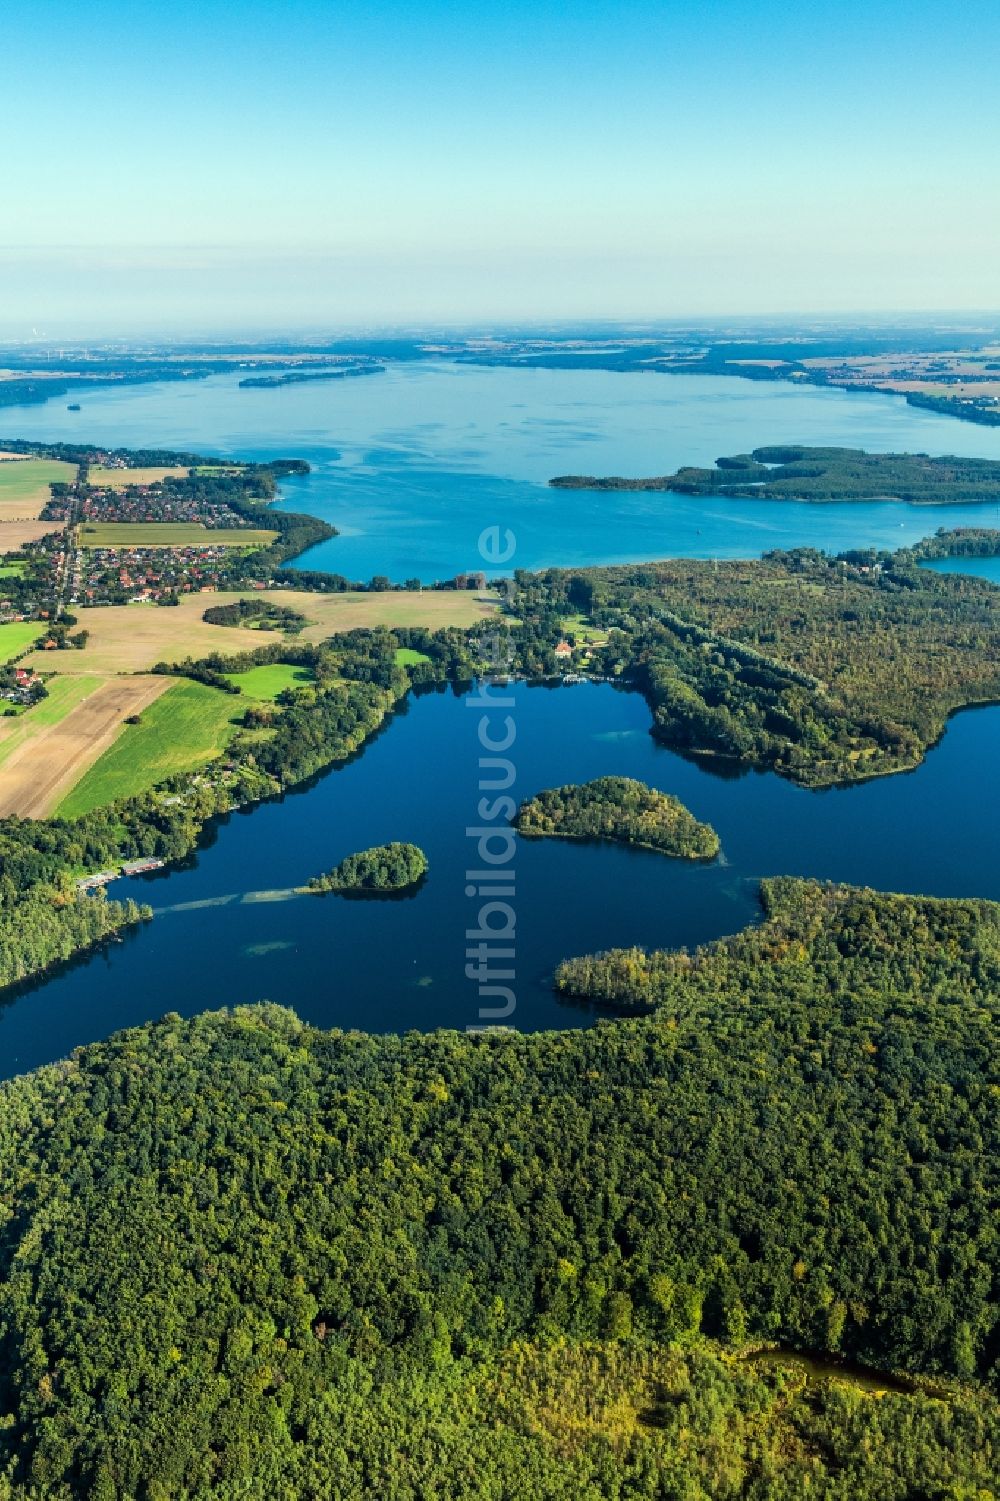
{"points": [[301, 165], [252, 334]]}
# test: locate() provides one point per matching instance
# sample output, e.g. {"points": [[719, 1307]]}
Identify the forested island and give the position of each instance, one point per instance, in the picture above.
{"points": [[622, 810], [301, 377], [791, 472], [355, 681], [244, 1257], [383, 870], [240, 1257]]}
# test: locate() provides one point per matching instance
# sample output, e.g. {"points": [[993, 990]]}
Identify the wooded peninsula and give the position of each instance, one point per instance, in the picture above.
{"points": [[241, 1257], [826, 669], [791, 472]]}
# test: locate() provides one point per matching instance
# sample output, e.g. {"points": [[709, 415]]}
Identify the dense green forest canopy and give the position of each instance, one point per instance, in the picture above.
{"points": [[228, 1246], [792, 472], [379, 871], [825, 669], [620, 809]]}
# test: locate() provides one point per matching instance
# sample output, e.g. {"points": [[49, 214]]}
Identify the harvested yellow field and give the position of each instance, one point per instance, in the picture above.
{"points": [[133, 638], [329, 613], [17, 534], [40, 771], [118, 479]]}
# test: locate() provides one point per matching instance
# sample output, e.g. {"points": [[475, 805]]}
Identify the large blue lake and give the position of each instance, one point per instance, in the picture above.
{"points": [[428, 456], [411, 465]]}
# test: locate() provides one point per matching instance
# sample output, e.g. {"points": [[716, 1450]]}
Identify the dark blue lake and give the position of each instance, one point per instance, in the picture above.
{"points": [[231, 930]]}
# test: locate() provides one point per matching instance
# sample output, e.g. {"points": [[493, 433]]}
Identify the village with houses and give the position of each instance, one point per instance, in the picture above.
{"points": [[146, 574], [20, 688]]}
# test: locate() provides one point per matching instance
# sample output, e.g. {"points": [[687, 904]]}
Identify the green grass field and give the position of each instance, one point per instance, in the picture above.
{"points": [[11, 570], [187, 726], [263, 684], [581, 627], [407, 657], [169, 534], [64, 694], [24, 484], [18, 636]]}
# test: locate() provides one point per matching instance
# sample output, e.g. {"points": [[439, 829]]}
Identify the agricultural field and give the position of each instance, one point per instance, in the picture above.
{"points": [[133, 638], [188, 725], [39, 771], [24, 486], [17, 534], [18, 635], [329, 613], [170, 534], [64, 693], [119, 479]]}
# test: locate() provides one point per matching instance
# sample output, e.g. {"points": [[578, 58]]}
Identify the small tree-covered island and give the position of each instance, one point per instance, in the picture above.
{"points": [[622, 810], [792, 472], [383, 870]]}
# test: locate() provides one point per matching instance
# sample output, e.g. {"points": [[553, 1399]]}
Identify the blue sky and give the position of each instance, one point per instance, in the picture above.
{"points": [[220, 164]]}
